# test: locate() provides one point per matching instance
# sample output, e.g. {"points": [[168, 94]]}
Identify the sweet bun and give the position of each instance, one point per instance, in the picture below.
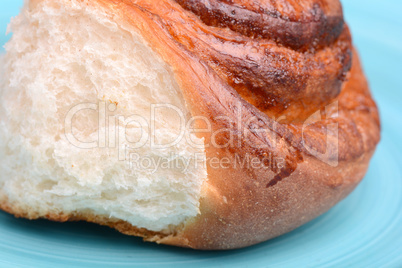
{"points": [[203, 124]]}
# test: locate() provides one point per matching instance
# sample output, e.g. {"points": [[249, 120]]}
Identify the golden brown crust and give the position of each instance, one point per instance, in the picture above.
{"points": [[221, 74]]}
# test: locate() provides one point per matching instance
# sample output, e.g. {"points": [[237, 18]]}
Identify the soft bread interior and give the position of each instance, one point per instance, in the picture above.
{"points": [[71, 77]]}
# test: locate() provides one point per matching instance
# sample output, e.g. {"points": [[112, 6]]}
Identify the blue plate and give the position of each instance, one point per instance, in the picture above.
{"points": [[365, 230]]}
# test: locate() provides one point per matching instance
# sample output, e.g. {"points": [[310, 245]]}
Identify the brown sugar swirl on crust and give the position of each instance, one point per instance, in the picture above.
{"points": [[278, 77], [296, 24]]}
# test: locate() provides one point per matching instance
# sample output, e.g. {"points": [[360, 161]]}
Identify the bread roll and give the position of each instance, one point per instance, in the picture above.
{"points": [[203, 124]]}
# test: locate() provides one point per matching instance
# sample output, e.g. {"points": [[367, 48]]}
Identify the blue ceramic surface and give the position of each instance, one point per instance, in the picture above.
{"points": [[365, 230]]}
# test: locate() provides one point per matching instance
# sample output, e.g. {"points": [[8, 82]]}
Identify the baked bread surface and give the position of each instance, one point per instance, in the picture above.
{"points": [[265, 65]]}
